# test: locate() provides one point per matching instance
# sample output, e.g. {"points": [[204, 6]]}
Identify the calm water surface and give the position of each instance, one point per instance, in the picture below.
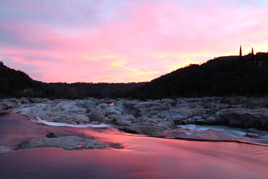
{"points": [[143, 157]]}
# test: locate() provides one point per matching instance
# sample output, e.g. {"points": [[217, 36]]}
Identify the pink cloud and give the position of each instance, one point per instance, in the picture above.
{"points": [[152, 40]]}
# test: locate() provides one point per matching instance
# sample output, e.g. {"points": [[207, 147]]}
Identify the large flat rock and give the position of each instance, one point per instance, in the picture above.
{"points": [[64, 142]]}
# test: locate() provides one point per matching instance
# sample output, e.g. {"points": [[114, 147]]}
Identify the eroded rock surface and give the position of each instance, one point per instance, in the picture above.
{"points": [[149, 116], [64, 142]]}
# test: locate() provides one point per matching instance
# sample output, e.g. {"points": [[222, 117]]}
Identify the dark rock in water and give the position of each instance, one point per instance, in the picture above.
{"points": [[3, 107], [65, 142], [128, 130], [51, 135], [3, 113], [116, 146]]}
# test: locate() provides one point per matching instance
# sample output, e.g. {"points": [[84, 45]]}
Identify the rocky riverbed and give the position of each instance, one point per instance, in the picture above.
{"points": [[159, 118]]}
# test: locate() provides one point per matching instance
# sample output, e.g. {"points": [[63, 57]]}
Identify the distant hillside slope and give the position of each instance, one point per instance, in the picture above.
{"points": [[17, 84], [13, 82], [231, 75]]}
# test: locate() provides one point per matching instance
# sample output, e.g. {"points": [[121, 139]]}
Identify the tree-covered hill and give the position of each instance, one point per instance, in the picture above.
{"points": [[231, 75]]}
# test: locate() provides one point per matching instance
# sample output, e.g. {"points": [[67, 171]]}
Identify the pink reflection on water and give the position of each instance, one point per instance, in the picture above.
{"points": [[148, 158], [143, 157], [165, 157]]}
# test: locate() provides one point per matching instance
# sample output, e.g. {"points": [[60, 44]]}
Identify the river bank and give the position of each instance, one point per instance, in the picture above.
{"points": [[248, 116]]}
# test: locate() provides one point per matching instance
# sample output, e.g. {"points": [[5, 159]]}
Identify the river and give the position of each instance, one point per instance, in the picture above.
{"points": [[142, 157]]}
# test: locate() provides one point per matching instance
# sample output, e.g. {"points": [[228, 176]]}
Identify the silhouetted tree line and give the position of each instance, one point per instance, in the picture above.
{"points": [[16, 84], [232, 75]]}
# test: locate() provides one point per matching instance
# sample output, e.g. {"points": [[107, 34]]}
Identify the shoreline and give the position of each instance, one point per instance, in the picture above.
{"points": [[155, 118], [72, 137]]}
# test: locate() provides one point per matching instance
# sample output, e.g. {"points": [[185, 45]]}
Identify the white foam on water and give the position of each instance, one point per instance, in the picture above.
{"points": [[236, 131], [59, 124]]}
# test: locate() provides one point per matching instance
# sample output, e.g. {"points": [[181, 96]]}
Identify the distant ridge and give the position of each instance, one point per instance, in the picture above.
{"points": [[230, 75]]}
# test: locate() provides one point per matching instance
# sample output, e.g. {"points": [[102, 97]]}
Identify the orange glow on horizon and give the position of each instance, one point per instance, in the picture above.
{"points": [[151, 40]]}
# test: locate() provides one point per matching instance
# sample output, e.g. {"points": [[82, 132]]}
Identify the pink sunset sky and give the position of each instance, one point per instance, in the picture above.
{"points": [[125, 40]]}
